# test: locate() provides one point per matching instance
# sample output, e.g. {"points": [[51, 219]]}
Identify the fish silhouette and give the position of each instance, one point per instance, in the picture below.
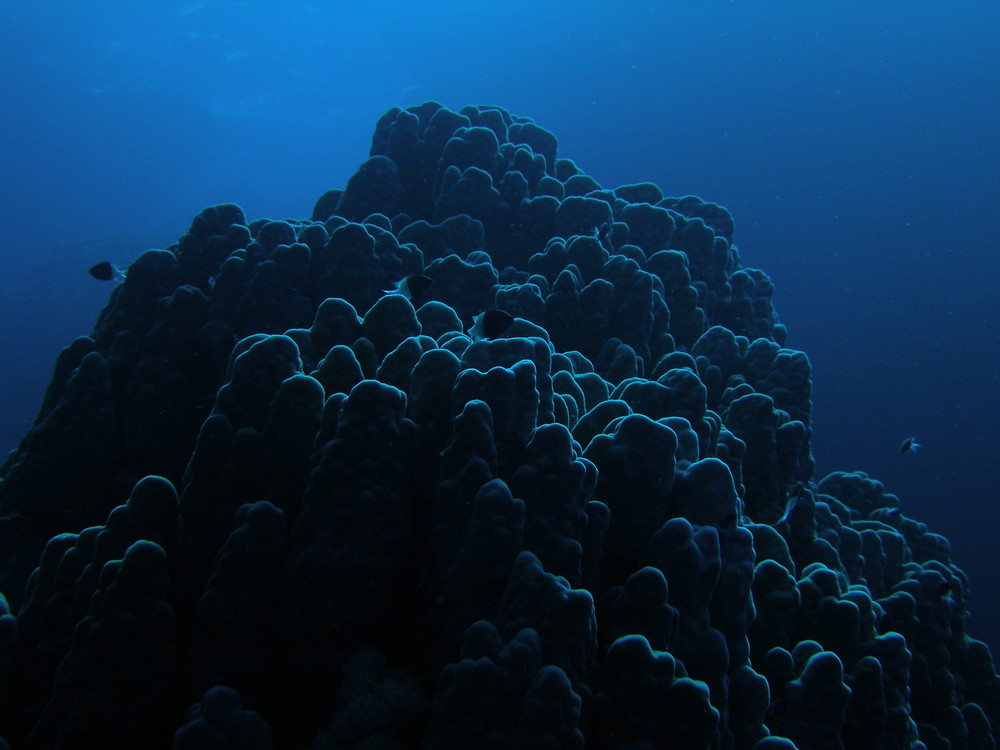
{"points": [[490, 324], [414, 285], [106, 271]]}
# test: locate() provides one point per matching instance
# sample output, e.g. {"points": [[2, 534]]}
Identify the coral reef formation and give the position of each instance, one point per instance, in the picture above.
{"points": [[267, 503]]}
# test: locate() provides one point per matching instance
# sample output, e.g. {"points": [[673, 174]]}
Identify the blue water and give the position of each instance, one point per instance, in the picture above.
{"points": [[855, 144]]}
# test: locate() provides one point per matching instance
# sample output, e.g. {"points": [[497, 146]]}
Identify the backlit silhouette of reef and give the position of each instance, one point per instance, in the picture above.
{"points": [[267, 503]]}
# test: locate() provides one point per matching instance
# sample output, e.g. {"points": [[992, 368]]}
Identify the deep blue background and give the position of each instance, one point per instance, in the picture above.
{"points": [[855, 143]]}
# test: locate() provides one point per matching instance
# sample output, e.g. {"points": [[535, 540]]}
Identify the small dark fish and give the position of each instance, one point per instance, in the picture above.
{"points": [[789, 507], [909, 445], [604, 236], [792, 499], [106, 271], [415, 285], [490, 324]]}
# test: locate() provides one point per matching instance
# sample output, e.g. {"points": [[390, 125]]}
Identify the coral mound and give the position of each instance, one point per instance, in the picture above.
{"points": [[278, 499]]}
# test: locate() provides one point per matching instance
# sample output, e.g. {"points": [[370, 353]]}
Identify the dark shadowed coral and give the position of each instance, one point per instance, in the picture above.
{"points": [[218, 722], [598, 528]]}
